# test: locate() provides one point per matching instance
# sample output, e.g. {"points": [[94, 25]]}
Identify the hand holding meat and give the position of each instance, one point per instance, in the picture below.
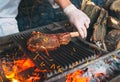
{"points": [[79, 19]]}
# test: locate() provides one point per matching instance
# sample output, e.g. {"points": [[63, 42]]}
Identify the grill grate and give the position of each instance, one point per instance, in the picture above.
{"points": [[61, 60]]}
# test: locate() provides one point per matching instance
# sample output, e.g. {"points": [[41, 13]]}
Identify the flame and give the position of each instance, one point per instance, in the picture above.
{"points": [[32, 79], [12, 70], [1, 79], [11, 75], [77, 76], [24, 64], [15, 80]]}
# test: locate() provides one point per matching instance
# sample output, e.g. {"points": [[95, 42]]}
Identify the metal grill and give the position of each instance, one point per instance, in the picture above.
{"points": [[64, 58], [60, 62]]}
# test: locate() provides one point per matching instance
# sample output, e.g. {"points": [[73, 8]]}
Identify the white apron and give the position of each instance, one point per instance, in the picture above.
{"points": [[8, 12]]}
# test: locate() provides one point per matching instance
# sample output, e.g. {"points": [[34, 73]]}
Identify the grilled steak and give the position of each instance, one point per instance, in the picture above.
{"points": [[41, 41]]}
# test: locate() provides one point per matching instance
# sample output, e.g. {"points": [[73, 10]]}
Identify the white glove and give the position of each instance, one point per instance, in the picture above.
{"points": [[79, 19], [54, 5], [8, 26]]}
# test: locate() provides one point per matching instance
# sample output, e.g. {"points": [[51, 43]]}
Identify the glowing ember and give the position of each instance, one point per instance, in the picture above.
{"points": [[24, 64], [13, 70], [1, 80], [77, 76], [32, 79], [99, 71], [14, 80], [9, 72]]}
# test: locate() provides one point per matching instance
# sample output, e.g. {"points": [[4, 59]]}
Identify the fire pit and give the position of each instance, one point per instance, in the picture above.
{"points": [[79, 61], [20, 65]]}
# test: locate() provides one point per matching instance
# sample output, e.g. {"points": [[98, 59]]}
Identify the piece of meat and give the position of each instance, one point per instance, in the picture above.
{"points": [[41, 41]]}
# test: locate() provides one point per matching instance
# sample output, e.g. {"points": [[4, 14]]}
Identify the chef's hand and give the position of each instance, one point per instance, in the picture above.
{"points": [[79, 19]]}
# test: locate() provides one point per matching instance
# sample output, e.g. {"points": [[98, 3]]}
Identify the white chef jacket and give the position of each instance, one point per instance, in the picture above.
{"points": [[8, 12], [9, 8]]}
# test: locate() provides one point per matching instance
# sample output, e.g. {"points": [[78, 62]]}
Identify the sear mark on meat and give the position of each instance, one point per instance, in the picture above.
{"points": [[40, 41]]}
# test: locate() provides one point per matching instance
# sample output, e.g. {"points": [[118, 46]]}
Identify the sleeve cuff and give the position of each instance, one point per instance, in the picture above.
{"points": [[69, 8]]}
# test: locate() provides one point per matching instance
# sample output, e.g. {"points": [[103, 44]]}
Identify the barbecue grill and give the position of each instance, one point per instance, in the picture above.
{"points": [[60, 62]]}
